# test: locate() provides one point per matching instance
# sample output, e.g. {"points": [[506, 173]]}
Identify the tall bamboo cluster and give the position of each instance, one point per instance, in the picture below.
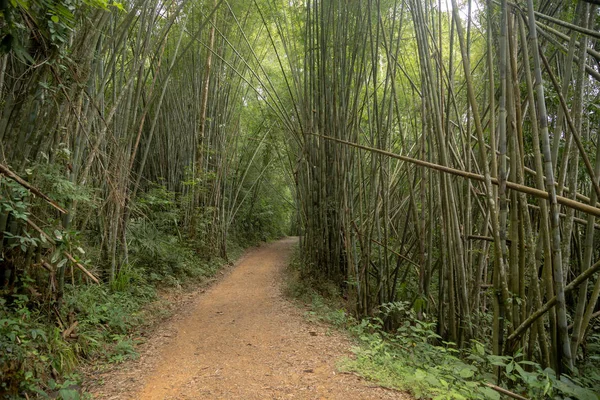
{"points": [[100, 103], [442, 153], [450, 158]]}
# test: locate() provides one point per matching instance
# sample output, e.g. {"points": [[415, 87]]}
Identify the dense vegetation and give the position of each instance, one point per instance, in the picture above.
{"points": [[442, 158], [414, 359], [450, 160], [134, 155]]}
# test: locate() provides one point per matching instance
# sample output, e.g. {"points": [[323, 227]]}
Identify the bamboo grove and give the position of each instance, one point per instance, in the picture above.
{"points": [[446, 154], [440, 153], [120, 120]]}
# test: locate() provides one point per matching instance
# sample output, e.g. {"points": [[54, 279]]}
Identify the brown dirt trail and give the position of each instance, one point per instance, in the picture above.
{"points": [[242, 339]]}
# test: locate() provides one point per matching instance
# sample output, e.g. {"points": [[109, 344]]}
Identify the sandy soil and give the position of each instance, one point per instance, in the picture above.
{"points": [[241, 339]]}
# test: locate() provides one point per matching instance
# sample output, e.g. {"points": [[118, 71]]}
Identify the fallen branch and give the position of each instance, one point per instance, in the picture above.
{"points": [[47, 266], [505, 392], [70, 330], [552, 302], [81, 267], [4, 170], [66, 254], [585, 208], [486, 238]]}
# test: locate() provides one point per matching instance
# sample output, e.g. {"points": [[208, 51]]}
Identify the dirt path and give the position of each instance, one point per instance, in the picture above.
{"points": [[242, 340]]}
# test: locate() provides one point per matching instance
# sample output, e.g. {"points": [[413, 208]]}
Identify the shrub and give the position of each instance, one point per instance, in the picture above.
{"points": [[30, 349]]}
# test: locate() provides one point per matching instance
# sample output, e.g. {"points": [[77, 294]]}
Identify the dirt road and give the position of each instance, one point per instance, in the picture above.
{"points": [[242, 339]]}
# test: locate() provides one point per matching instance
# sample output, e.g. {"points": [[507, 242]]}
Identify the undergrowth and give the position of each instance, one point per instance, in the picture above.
{"points": [[45, 336], [38, 360], [414, 359]]}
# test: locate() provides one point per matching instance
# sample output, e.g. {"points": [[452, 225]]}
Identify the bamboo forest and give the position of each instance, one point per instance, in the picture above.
{"points": [[434, 164]]}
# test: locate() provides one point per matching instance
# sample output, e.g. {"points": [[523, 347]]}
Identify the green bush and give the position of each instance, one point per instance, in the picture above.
{"points": [[34, 356], [30, 349], [408, 359], [165, 258]]}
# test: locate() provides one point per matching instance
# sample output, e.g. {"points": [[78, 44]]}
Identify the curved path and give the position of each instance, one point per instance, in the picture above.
{"points": [[242, 339]]}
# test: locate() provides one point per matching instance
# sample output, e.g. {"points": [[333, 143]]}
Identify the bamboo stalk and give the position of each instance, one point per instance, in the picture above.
{"points": [[566, 361], [585, 208]]}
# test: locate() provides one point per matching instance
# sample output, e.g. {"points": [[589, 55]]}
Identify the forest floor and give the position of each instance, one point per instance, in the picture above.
{"points": [[240, 339]]}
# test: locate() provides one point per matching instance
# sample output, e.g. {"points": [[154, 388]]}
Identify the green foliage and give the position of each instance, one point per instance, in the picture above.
{"points": [[107, 315], [409, 360], [157, 248], [413, 358], [590, 365], [163, 257], [41, 24], [261, 224], [14, 199], [158, 206], [30, 349], [264, 217], [33, 352], [320, 294], [106, 312], [51, 180], [528, 377], [67, 390], [105, 4]]}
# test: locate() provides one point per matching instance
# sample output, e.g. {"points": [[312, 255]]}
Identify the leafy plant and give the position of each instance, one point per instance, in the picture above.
{"points": [[28, 347]]}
